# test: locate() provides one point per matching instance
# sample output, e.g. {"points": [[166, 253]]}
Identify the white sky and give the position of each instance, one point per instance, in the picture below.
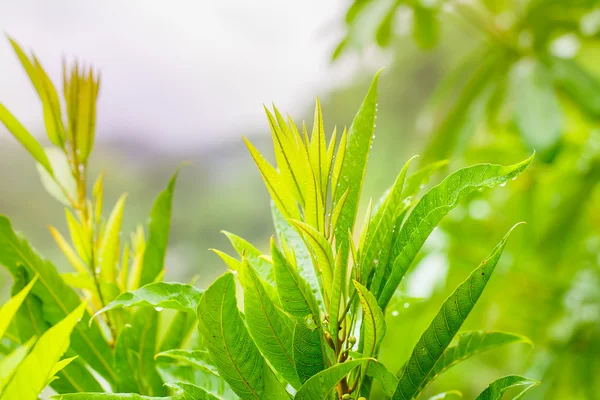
{"points": [[179, 73]]}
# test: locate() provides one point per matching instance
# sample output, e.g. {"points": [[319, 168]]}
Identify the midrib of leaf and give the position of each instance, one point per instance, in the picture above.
{"points": [[62, 307], [271, 328], [226, 347], [287, 161]]}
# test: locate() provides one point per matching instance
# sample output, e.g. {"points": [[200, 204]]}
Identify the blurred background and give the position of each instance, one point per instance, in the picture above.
{"points": [[465, 81]]}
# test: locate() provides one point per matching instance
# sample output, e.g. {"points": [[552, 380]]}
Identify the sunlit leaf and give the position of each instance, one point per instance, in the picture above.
{"points": [[10, 308], [496, 389], [309, 356], [252, 255], [320, 386], [108, 253], [387, 379], [9, 364], [445, 325]]}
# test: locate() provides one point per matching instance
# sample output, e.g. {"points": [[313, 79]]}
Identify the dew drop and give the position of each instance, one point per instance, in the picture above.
{"points": [[375, 261], [503, 184], [97, 270], [480, 190], [394, 313], [514, 178], [406, 305], [127, 325], [159, 309]]}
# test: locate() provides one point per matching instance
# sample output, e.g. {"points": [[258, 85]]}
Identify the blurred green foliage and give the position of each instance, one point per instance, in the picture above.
{"points": [[511, 76]]}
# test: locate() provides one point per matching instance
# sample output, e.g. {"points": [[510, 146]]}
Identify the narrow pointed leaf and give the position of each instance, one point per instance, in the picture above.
{"points": [[10, 363], [320, 386], [436, 338], [25, 138], [159, 226], [271, 329], [108, 254], [496, 389], [252, 255], [336, 296], [360, 137], [38, 367], [373, 321], [337, 166], [451, 394], [174, 296], [10, 308], [434, 205]]}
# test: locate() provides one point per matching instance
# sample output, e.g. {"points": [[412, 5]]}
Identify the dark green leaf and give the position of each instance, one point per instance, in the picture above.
{"points": [[497, 388]]}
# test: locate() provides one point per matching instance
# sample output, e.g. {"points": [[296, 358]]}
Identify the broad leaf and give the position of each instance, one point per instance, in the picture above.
{"points": [[470, 344], [388, 380], [252, 255], [436, 338], [373, 323], [271, 329], [434, 205], [320, 386], [159, 225], [175, 296], [229, 344], [56, 299], [496, 389], [198, 358], [309, 356], [351, 175], [38, 367], [191, 392]]}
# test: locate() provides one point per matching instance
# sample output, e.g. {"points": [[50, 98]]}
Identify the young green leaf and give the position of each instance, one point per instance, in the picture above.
{"points": [[309, 356], [252, 255], [60, 184], [451, 394], [198, 358], [191, 392], [108, 253], [39, 366], [271, 329], [373, 321], [229, 344], [10, 362], [320, 386], [51, 106], [175, 296], [469, 344], [387, 379], [57, 299], [25, 138], [336, 296], [179, 331], [10, 308], [496, 389], [436, 338], [434, 205], [351, 175], [297, 298], [159, 225]]}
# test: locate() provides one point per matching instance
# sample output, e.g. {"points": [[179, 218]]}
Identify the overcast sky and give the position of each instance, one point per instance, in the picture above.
{"points": [[179, 73]]}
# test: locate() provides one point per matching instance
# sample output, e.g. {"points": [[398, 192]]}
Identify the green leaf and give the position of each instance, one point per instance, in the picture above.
{"points": [[417, 180], [252, 255], [229, 344], [174, 296], [320, 386], [10, 308], [452, 394], [191, 392], [179, 331], [56, 298], [336, 296], [110, 396], [496, 389], [198, 358], [108, 253], [134, 355], [374, 327], [297, 298], [380, 232], [309, 356], [352, 172], [387, 379], [538, 114], [271, 329], [38, 367], [425, 26], [436, 338], [10, 363], [434, 205], [51, 106], [470, 344], [159, 225], [60, 184], [25, 138]]}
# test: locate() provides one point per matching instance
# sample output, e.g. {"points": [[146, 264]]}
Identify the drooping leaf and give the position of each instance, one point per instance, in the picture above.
{"points": [[373, 321], [425, 26], [308, 352], [271, 329], [10, 308], [451, 394], [297, 298], [538, 114], [108, 253], [388, 380], [320, 386], [56, 299], [175, 296], [436, 338], [134, 355], [38, 367], [229, 344], [469, 344], [25, 138], [432, 207], [351, 175], [497, 388], [159, 226]]}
